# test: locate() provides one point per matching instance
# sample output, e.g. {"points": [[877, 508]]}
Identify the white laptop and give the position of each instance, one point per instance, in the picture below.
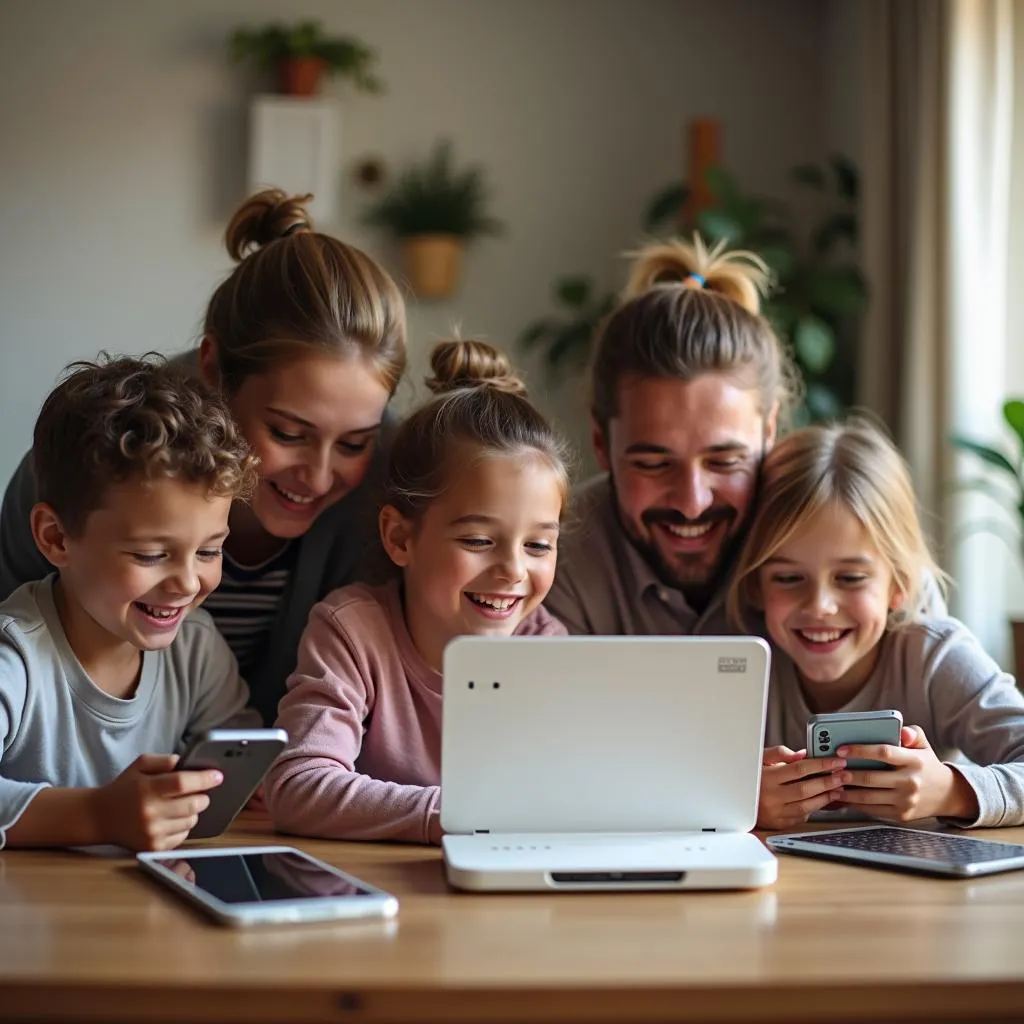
{"points": [[591, 763]]}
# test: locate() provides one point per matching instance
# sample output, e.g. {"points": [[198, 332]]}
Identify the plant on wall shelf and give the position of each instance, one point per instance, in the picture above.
{"points": [[433, 209], [819, 292], [302, 54]]}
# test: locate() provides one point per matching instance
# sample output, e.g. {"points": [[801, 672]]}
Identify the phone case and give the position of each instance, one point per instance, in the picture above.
{"points": [[243, 756], [826, 733]]}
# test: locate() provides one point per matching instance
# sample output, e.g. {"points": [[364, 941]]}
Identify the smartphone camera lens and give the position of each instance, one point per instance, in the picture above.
{"points": [[823, 748]]}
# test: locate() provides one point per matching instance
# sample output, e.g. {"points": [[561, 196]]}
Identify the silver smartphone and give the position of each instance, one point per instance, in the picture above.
{"points": [[243, 757], [266, 885], [826, 733]]}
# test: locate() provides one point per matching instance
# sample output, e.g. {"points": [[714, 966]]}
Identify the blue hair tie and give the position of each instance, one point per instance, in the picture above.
{"points": [[699, 278]]}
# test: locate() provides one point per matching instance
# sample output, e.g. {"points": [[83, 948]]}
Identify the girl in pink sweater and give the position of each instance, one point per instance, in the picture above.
{"points": [[476, 490]]}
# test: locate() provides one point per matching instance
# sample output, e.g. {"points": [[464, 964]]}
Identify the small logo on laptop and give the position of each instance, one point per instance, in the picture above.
{"points": [[732, 664]]}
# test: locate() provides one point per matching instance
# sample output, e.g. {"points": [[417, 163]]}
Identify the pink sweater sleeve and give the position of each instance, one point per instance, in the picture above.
{"points": [[313, 788]]}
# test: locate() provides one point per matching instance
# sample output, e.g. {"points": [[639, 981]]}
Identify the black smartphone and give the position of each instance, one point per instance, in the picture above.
{"points": [[243, 757]]}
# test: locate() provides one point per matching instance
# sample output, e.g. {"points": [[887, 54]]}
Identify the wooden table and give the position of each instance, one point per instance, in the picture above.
{"points": [[87, 939]]}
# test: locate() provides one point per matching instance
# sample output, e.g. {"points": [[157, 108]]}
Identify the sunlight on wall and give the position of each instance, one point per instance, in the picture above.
{"points": [[981, 89]]}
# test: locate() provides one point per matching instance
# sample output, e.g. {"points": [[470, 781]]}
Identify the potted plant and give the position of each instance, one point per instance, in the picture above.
{"points": [[433, 210], [1008, 492], [302, 54], [567, 338]]}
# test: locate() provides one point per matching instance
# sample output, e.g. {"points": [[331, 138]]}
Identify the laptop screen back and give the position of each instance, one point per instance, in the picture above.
{"points": [[602, 734]]}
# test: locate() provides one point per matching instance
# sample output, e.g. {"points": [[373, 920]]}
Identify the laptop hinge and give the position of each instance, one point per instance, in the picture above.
{"points": [[708, 830]]}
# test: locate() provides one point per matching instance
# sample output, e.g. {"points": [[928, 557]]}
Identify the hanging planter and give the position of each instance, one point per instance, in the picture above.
{"points": [[433, 264], [434, 210], [301, 55]]}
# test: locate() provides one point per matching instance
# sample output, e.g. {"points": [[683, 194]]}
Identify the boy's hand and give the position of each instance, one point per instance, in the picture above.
{"points": [[788, 796], [149, 806], [921, 786]]}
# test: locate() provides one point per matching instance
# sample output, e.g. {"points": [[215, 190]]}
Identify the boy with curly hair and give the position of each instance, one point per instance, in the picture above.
{"points": [[107, 668]]}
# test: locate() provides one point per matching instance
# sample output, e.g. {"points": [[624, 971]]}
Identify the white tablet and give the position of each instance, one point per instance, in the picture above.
{"points": [[266, 885]]}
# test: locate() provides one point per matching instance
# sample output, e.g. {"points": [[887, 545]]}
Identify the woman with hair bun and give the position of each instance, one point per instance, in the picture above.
{"points": [[475, 492], [306, 339]]}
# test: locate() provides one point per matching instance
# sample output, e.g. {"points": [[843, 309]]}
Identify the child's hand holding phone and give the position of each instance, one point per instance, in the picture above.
{"points": [[150, 806], [915, 783], [794, 786]]}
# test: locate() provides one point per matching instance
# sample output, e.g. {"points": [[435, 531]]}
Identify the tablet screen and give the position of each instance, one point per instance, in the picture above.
{"points": [[258, 878]]}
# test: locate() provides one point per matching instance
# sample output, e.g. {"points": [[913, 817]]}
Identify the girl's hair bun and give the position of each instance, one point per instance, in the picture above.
{"points": [[471, 364], [264, 218]]}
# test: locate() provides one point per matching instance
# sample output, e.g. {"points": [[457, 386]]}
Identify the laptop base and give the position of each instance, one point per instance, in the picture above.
{"points": [[596, 862]]}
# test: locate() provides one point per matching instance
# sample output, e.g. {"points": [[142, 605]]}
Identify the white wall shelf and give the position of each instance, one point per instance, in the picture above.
{"points": [[294, 144]]}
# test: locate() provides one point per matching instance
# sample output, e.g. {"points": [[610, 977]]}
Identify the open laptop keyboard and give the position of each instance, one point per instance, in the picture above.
{"points": [[935, 846]]}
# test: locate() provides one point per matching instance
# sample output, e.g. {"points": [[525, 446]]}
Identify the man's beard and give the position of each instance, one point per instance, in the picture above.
{"points": [[687, 573]]}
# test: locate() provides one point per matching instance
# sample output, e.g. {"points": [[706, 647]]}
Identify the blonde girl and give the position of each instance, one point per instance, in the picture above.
{"points": [[476, 489], [836, 559]]}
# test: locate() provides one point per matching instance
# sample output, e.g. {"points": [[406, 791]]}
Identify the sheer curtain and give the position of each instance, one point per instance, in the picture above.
{"points": [[937, 129]]}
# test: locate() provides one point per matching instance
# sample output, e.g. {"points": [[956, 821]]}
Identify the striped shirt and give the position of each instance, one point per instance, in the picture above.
{"points": [[246, 603]]}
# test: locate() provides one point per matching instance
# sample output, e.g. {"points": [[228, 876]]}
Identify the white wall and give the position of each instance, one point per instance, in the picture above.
{"points": [[123, 136], [844, 68]]}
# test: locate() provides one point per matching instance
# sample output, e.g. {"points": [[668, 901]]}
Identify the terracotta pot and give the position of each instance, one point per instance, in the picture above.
{"points": [[301, 76], [432, 264], [1017, 626]]}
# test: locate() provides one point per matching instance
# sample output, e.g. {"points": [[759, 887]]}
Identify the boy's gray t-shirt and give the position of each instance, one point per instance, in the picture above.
{"points": [[57, 728]]}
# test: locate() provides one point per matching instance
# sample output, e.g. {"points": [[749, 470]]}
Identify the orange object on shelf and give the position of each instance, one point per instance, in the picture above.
{"points": [[301, 76]]}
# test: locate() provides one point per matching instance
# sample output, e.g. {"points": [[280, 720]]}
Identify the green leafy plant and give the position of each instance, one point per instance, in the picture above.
{"points": [[819, 291], [341, 55], [567, 338], [819, 295], [1009, 490], [434, 197]]}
